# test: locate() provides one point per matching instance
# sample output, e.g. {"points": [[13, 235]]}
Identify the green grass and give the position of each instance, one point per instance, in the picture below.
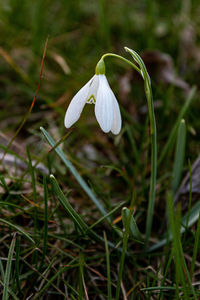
{"points": [[76, 221]]}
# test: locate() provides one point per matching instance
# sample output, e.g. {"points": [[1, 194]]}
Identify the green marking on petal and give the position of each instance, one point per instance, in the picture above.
{"points": [[91, 100]]}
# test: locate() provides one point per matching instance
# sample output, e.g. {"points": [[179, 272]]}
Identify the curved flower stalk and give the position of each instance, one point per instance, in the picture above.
{"points": [[98, 92], [153, 134], [107, 112]]}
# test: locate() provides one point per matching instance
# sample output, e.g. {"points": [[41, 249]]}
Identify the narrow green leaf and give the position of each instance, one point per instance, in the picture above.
{"points": [[174, 226], [133, 225], [172, 135], [78, 221], [179, 156], [11, 204], [8, 268], [32, 172], [18, 229], [195, 250], [81, 274], [109, 214], [69, 209], [181, 267], [159, 288], [190, 193], [140, 62], [10, 292], [17, 258], [123, 254], [3, 183], [45, 233], [1, 270], [49, 282], [108, 267], [189, 221], [72, 169]]}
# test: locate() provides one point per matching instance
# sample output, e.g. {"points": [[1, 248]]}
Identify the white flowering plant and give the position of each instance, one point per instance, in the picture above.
{"points": [[97, 91]]}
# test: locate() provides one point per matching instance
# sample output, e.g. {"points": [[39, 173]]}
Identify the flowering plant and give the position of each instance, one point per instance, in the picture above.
{"points": [[107, 112]]}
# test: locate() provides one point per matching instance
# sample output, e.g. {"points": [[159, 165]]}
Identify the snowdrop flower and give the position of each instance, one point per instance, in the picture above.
{"points": [[98, 92]]}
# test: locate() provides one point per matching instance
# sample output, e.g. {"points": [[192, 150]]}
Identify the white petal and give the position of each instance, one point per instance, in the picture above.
{"points": [[76, 105], [104, 107], [117, 120], [94, 85]]}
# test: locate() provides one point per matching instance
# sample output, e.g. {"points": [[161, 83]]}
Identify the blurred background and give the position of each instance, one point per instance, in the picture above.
{"points": [[165, 33], [79, 33], [167, 36]]}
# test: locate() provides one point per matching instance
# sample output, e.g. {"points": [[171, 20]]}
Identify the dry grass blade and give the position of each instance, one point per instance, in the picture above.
{"points": [[32, 104]]}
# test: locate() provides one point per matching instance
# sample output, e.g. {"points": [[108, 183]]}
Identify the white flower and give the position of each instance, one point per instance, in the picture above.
{"points": [[107, 112]]}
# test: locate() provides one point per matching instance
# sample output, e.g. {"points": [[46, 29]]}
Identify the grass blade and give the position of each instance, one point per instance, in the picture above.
{"points": [[72, 169], [186, 221], [108, 267], [109, 214], [78, 221], [17, 258], [31, 169], [10, 292], [81, 274], [172, 136], [69, 209], [196, 247], [45, 234], [3, 183], [8, 268], [133, 225], [18, 229], [49, 282], [82, 285], [1, 269], [174, 225], [179, 156], [182, 273], [122, 259]]}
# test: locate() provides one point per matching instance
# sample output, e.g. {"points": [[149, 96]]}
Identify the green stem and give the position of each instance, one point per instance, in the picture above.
{"points": [[153, 132], [124, 59], [152, 192]]}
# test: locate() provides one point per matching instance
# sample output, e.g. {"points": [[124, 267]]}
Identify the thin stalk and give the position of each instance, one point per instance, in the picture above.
{"points": [[153, 168], [153, 132], [109, 297], [124, 59], [126, 232], [8, 269], [122, 259], [195, 250], [17, 262], [45, 230]]}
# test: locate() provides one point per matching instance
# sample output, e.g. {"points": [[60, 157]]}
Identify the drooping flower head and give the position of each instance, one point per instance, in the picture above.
{"points": [[98, 92]]}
